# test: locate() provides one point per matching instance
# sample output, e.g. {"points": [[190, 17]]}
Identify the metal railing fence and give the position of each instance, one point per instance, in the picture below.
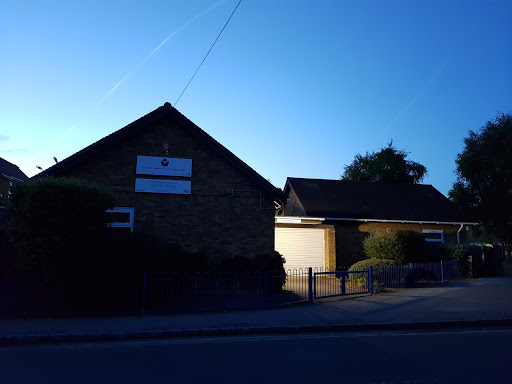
{"points": [[220, 291], [341, 283], [413, 275], [197, 292]]}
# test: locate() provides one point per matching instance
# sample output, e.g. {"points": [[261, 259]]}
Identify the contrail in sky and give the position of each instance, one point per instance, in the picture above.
{"points": [[58, 141], [158, 47], [417, 96]]}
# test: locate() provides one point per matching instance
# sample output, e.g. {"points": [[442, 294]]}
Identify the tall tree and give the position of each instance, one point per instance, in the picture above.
{"points": [[484, 177], [389, 165]]}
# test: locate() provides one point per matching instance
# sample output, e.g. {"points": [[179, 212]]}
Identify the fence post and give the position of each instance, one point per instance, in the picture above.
{"points": [[442, 272], [143, 309], [370, 280], [310, 284], [343, 280], [265, 288]]}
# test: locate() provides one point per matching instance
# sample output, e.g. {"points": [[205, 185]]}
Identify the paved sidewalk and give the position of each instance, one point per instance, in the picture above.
{"points": [[479, 302]]}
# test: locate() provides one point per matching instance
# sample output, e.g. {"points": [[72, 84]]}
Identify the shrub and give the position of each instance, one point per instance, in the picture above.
{"points": [[415, 247], [378, 287], [381, 246], [363, 265], [55, 223], [261, 263], [404, 247], [461, 254]]}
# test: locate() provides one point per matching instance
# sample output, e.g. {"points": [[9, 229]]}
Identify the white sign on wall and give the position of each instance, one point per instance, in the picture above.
{"points": [[181, 187], [164, 166], [288, 220]]}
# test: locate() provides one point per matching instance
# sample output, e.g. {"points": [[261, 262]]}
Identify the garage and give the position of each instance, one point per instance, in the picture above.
{"points": [[302, 246]]}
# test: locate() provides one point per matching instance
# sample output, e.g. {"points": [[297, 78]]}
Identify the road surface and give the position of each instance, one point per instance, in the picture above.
{"points": [[384, 357]]}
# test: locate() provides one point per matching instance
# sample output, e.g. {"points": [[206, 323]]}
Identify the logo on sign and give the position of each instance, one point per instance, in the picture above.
{"points": [[164, 162]]}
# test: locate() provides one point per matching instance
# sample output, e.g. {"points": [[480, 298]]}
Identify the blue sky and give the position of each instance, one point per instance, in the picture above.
{"points": [[294, 88]]}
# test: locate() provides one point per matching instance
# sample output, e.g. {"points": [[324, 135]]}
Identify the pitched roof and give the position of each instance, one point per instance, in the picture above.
{"points": [[164, 112], [377, 201], [10, 170]]}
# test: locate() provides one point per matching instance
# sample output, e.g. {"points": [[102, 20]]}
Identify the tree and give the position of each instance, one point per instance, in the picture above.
{"points": [[389, 165], [483, 188]]}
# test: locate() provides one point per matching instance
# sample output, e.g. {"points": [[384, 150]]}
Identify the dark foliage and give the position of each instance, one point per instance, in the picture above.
{"points": [[65, 260], [55, 224], [389, 165], [260, 263], [483, 189], [273, 264], [415, 247]]}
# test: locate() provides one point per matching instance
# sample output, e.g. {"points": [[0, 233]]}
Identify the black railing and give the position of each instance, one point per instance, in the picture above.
{"points": [[198, 292], [414, 275], [216, 291]]}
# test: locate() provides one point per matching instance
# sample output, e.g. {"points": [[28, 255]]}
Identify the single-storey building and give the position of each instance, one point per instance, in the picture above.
{"points": [[174, 181], [324, 222]]}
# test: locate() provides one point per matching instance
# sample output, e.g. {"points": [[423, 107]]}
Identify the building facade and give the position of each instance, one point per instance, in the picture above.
{"points": [[347, 212], [175, 182]]}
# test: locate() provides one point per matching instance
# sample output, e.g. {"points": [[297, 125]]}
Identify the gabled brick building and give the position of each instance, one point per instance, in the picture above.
{"points": [[174, 181]]}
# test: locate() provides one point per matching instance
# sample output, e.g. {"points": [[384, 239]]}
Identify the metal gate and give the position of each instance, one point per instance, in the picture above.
{"points": [[341, 283]]}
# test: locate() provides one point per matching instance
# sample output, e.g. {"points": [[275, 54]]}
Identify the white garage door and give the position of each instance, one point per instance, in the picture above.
{"points": [[301, 247]]}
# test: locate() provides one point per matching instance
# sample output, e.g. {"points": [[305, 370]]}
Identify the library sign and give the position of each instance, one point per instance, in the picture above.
{"points": [[164, 166]]}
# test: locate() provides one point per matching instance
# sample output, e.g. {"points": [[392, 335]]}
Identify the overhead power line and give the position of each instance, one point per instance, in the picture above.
{"points": [[197, 70]]}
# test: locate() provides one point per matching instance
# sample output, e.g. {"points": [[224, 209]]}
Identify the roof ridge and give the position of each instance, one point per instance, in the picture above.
{"points": [[162, 111], [356, 181]]}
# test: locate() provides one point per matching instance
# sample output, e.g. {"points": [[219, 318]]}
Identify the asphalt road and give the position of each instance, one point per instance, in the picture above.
{"points": [[444, 356]]}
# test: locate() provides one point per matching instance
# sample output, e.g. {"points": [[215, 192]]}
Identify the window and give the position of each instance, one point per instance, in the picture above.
{"points": [[122, 217], [433, 235]]}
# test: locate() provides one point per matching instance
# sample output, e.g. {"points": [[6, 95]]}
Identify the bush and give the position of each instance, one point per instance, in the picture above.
{"points": [[363, 265], [264, 263], [404, 247], [55, 225], [461, 254], [381, 246], [261, 263], [415, 247]]}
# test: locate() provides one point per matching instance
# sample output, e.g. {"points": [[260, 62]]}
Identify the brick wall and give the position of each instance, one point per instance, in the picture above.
{"points": [[208, 219], [330, 246], [293, 206], [350, 237]]}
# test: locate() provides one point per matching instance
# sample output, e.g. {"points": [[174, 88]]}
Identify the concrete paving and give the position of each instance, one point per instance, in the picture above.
{"points": [[478, 302]]}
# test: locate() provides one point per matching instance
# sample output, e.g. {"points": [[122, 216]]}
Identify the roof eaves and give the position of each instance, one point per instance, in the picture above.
{"points": [[81, 155], [405, 221], [158, 113], [289, 186], [228, 155]]}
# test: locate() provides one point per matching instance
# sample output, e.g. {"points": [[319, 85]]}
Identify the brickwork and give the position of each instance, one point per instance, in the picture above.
{"points": [[293, 206], [350, 237], [330, 246], [208, 219]]}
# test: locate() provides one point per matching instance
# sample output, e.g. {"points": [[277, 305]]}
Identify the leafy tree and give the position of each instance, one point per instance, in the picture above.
{"points": [[483, 188], [389, 165]]}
